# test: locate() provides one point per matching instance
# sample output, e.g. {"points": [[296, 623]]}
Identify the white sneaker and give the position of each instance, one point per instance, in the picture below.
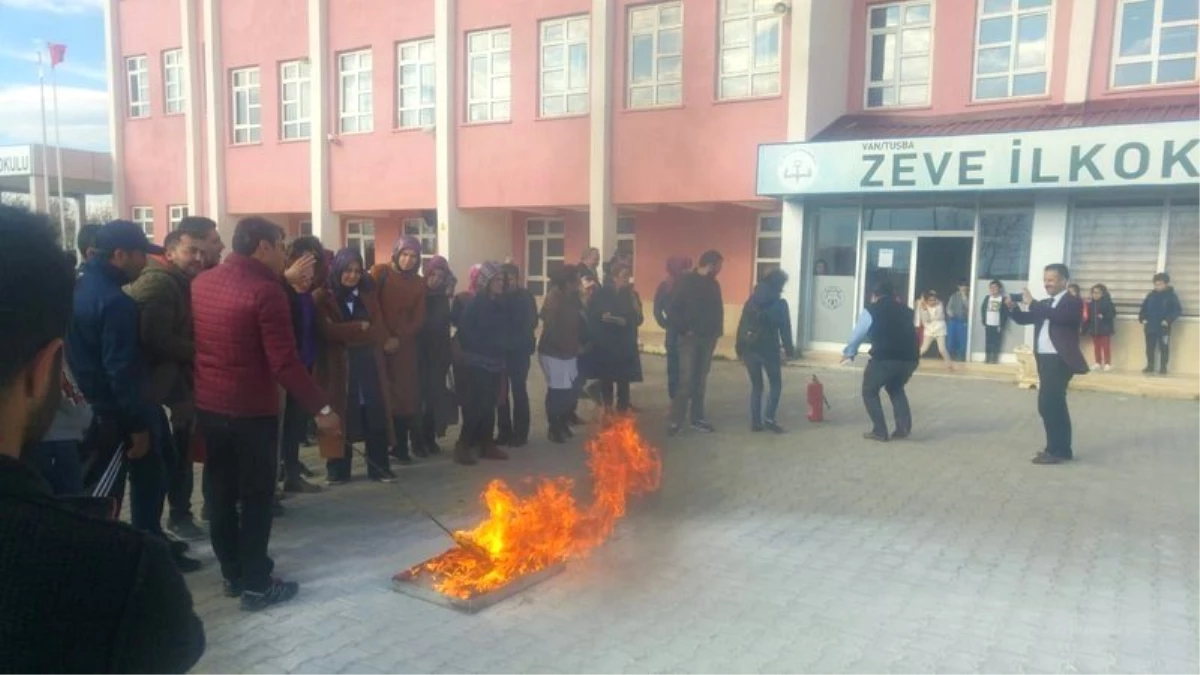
{"points": [[1097, 366], [1107, 367]]}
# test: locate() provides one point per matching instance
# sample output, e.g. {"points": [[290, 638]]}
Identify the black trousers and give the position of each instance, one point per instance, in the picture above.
{"points": [[295, 428], [622, 393], [181, 479], [890, 376], [1053, 378], [993, 336], [1160, 342], [479, 393], [241, 467], [513, 414], [376, 442]]}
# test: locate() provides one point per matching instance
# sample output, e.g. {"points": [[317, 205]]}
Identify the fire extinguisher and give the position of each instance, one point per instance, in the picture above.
{"points": [[817, 403]]}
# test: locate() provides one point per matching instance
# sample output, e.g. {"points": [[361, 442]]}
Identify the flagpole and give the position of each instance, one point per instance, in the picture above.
{"points": [[45, 165], [62, 204]]}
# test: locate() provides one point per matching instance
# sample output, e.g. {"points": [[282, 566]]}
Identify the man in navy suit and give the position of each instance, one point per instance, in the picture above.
{"points": [[1056, 344]]}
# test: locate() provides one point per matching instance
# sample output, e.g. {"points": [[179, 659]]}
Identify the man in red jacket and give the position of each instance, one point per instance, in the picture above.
{"points": [[245, 347]]}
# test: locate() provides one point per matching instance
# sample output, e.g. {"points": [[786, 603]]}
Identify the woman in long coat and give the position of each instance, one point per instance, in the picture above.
{"points": [[438, 406], [614, 316], [402, 301], [350, 366]]}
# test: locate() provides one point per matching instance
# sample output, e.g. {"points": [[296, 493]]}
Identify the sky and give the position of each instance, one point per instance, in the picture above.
{"points": [[25, 25]]}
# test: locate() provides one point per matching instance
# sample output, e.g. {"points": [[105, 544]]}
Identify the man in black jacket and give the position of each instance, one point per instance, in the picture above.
{"points": [[513, 411], [697, 316], [894, 358], [77, 594]]}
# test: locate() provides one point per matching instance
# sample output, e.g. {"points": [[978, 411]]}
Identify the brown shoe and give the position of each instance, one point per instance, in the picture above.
{"points": [[1048, 459], [490, 451], [463, 454]]}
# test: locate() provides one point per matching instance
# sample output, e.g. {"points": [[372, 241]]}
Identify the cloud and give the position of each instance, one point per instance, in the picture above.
{"points": [[83, 70], [55, 6], [83, 116]]}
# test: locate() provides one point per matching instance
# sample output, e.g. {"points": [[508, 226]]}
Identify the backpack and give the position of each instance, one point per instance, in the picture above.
{"points": [[754, 324]]}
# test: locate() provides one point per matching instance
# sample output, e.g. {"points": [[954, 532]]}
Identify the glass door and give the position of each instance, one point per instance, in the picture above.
{"points": [[889, 259]]}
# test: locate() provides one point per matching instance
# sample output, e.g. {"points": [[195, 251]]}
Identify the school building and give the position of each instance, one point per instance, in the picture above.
{"points": [[936, 139]]}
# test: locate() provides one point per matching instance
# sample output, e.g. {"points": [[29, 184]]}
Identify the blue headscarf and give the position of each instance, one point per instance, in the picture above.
{"points": [[342, 262]]}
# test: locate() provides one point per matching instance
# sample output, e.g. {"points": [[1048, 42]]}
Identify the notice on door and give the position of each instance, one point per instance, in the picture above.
{"points": [[887, 258]]}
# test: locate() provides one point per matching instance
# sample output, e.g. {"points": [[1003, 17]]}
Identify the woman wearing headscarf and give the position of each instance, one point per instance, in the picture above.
{"points": [[402, 301], [484, 336], [438, 407], [351, 367], [513, 411], [614, 315], [558, 349], [677, 266], [588, 284]]}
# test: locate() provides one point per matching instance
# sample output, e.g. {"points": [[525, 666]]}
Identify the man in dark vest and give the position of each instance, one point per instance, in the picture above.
{"points": [[889, 325]]}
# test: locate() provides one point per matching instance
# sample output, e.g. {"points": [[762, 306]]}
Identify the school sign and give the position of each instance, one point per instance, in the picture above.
{"points": [[1109, 156]]}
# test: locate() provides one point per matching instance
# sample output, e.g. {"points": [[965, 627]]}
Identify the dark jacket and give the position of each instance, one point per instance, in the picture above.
{"points": [[1063, 321], [1160, 306], [615, 350], [163, 296], [561, 326], [892, 334], [85, 595], [523, 308], [102, 347], [697, 307], [662, 302], [1102, 317], [773, 330], [486, 332], [246, 343]]}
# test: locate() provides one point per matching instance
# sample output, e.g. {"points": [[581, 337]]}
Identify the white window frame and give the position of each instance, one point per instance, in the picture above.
{"points": [[144, 217], [137, 79], [497, 104], [425, 232], [173, 101], [894, 82], [570, 100], [417, 57], [298, 74], [245, 85], [753, 13], [760, 235], [358, 233], [356, 117], [1016, 13], [657, 82], [1154, 58], [548, 224], [175, 215]]}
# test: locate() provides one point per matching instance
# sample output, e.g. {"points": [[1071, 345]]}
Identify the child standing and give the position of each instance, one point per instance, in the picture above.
{"points": [[1159, 311], [931, 316], [1101, 316], [958, 314], [995, 316]]}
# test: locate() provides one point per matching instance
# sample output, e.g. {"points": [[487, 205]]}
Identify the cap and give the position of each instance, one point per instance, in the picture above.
{"points": [[124, 235]]}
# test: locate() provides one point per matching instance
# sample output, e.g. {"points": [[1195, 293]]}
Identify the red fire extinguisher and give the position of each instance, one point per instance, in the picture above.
{"points": [[817, 403]]}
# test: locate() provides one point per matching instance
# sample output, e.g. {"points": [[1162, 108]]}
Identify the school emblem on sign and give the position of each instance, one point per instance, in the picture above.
{"points": [[797, 170], [832, 297]]}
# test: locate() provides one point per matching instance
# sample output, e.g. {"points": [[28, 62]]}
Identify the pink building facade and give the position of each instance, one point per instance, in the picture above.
{"points": [[533, 129]]}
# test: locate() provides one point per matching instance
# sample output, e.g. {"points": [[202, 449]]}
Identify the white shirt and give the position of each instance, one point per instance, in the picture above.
{"points": [[992, 316], [1044, 344]]}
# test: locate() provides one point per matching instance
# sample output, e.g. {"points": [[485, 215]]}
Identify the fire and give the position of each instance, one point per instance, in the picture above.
{"points": [[525, 534]]}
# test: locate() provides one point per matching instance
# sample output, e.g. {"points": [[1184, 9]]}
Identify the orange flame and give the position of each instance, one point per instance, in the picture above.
{"points": [[525, 534]]}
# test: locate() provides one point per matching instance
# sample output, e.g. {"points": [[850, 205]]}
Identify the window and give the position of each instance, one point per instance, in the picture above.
{"points": [[564, 64], [836, 242], [768, 250], [305, 228], [173, 81], [1155, 42], [138, 74], [899, 56], [919, 218], [750, 52], [655, 62], [175, 215], [488, 65], [544, 251], [144, 216], [354, 95], [1012, 48], [626, 240], [295, 94], [416, 87], [1005, 237], [360, 236], [424, 231], [246, 110]]}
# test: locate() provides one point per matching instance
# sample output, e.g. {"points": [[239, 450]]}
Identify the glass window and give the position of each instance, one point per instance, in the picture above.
{"points": [[1155, 42], [919, 218], [750, 52], [545, 249], [144, 216], [768, 244], [415, 86], [899, 43], [654, 72], [173, 81], [360, 235], [626, 238], [489, 90], [564, 66], [355, 97], [1005, 237], [247, 112], [836, 241], [1012, 48], [138, 76], [424, 231], [175, 215], [295, 94]]}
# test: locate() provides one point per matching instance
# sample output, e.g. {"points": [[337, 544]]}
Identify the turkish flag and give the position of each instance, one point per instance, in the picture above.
{"points": [[57, 53]]}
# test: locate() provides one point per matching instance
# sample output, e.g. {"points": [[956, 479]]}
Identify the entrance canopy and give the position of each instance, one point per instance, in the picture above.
{"points": [[84, 172]]}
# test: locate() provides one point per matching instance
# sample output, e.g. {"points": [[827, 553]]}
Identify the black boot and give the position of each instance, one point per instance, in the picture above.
{"points": [[399, 451], [556, 433], [416, 437]]}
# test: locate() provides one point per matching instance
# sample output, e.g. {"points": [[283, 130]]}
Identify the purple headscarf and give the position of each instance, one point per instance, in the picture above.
{"points": [[342, 262], [677, 266], [437, 262], [473, 278]]}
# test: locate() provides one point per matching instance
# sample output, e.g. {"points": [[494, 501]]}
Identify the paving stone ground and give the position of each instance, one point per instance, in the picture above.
{"points": [[815, 551]]}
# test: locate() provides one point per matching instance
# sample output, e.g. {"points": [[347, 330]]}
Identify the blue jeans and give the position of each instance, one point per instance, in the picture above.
{"points": [[956, 339], [672, 345], [755, 365], [59, 464]]}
